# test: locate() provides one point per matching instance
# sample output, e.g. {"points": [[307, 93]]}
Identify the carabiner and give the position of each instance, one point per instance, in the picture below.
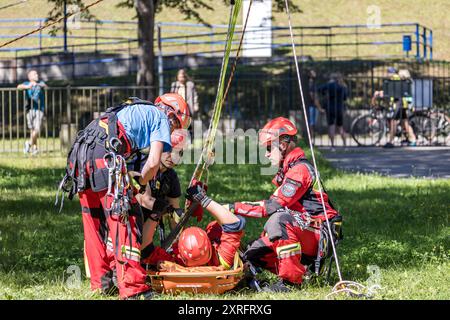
{"points": [[114, 144]]}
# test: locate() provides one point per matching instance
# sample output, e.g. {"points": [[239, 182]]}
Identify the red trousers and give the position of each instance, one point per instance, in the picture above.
{"points": [[280, 247], [103, 231]]}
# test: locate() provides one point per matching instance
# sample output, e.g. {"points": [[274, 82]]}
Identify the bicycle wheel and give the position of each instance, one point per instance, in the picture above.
{"points": [[424, 128], [367, 130]]}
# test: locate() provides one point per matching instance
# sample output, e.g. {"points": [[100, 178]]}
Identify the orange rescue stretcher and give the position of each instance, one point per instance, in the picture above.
{"points": [[172, 278]]}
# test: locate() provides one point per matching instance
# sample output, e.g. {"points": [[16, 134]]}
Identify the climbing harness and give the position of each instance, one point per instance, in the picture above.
{"points": [[349, 287]]}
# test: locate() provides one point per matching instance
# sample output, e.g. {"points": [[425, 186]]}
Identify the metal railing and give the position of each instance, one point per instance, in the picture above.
{"points": [[330, 42], [250, 103], [66, 110]]}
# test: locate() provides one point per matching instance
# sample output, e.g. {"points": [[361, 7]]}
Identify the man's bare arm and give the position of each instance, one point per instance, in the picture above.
{"points": [[152, 164]]}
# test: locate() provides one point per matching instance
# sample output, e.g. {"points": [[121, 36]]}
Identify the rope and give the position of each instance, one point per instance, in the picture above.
{"points": [[207, 152], [353, 289], [341, 286], [49, 24], [13, 4]]}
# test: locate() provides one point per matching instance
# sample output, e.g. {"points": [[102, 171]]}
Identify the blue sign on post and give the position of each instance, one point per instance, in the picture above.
{"points": [[407, 43]]}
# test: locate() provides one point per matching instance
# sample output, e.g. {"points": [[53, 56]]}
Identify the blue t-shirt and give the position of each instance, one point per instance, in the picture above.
{"points": [[35, 96], [144, 124]]}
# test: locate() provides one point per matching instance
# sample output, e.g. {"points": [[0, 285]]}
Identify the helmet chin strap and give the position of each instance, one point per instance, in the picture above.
{"points": [[284, 152]]}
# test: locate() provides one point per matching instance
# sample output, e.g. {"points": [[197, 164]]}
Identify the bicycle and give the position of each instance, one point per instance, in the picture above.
{"points": [[431, 124], [368, 129]]}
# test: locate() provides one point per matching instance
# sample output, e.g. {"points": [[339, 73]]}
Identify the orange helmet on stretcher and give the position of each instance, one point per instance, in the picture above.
{"points": [[194, 247], [276, 128], [174, 105]]}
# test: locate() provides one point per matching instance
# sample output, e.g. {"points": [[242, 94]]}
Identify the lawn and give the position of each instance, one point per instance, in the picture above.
{"points": [[399, 225], [432, 14]]}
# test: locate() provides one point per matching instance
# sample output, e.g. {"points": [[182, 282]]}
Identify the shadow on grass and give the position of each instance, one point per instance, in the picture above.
{"points": [[405, 226]]}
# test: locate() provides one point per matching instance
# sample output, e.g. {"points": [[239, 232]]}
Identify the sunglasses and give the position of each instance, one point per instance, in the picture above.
{"points": [[269, 147]]}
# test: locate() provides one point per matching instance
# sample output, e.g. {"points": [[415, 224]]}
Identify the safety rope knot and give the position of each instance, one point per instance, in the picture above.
{"points": [[354, 290]]}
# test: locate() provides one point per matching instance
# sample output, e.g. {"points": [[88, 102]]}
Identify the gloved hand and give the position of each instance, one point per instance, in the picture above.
{"points": [[160, 206], [198, 212], [198, 194]]}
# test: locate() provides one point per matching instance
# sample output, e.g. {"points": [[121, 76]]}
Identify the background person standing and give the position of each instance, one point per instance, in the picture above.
{"points": [[35, 108], [336, 94], [312, 102], [186, 88]]}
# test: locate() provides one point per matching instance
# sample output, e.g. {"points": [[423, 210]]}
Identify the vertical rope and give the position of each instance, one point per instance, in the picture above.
{"points": [[310, 141]]}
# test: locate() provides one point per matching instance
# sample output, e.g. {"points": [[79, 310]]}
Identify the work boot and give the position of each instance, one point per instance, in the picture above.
{"points": [[146, 295], [278, 286]]}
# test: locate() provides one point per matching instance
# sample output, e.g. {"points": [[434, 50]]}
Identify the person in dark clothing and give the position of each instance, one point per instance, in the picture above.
{"points": [[312, 101], [336, 94]]}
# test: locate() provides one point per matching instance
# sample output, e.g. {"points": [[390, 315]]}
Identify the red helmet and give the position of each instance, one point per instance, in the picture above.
{"points": [[194, 247], [276, 128], [177, 106]]}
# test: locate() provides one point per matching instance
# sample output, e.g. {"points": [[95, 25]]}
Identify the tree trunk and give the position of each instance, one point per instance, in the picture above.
{"points": [[146, 22]]}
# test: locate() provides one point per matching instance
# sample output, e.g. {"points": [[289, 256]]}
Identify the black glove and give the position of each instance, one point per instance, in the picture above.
{"points": [[198, 194], [160, 206]]}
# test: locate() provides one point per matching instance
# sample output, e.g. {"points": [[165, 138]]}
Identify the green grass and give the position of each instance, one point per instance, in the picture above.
{"points": [[400, 225]]}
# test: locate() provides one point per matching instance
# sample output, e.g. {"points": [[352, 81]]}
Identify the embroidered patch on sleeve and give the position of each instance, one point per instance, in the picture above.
{"points": [[288, 189]]}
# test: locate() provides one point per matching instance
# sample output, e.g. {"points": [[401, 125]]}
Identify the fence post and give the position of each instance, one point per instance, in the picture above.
{"points": [[65, 25], [40, 36], [372, 80], [330, 43], [130, 60], [95, 35], [417, 42], [15, 66], [290, 84], [424, 35], [212, 39], [73, 63], [431, 44], [69, 115]]}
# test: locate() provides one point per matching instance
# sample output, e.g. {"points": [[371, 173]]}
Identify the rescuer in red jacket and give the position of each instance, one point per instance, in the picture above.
{"points": [[295, 209]]}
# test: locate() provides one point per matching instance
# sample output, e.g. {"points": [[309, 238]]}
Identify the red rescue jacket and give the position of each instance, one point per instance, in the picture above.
{"points": [[297, 189]]}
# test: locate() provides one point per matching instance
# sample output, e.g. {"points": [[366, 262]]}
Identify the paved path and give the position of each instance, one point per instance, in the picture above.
{"points": [[428, 162]]}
